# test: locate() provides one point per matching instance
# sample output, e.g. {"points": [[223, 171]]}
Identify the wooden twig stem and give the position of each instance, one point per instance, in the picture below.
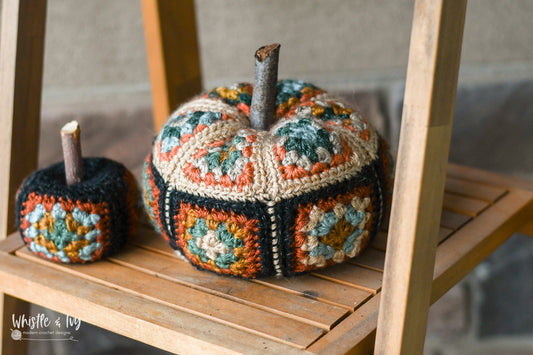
{"points": [[263, 109], [70, 141]]}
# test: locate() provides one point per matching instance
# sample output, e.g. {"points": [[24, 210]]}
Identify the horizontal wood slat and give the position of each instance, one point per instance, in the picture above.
{"points": [[453, 220], [151, 240], [465, 205], [352, 275], [380, 241], [185, 309], [307, 285], [478, 239], [449, 219], [444, 233], [320, 289], [11, 243], [359, 328], [136, 317], [473, 189], [273, 300], [370, 258], [477, 176], [186, 299], [455, 257]]}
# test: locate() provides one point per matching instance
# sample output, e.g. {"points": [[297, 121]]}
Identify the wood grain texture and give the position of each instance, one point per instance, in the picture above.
{"points": [[448, 218], [455, 257], [289, 305], [459, 254], [21, 64], [477, 190], [150, 240], [216, 309], [355, 335], [462, 204], [21, 67], [354, 276], [319, 289], [12, 243], [453, 220], [371, 258], [492, 180], [127, 314], [420, 173], [92, 292], [308, 286], [477, 176], [173, 60]]}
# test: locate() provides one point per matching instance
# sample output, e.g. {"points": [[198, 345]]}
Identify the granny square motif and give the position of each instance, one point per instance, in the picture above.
{"points": [[310, 192]]}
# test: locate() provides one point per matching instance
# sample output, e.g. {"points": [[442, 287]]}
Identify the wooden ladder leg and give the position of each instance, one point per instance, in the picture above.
{"points": [[10, 307], [21, 65], [172, 46], [21, 68], [431, 85]]}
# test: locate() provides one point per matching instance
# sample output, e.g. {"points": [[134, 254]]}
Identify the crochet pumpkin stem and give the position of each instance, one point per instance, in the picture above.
{"points": [[263, 108], [70, 141]]}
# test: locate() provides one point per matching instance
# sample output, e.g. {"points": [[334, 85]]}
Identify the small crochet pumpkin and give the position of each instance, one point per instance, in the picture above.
{"points": [[309, 192], [82, 220]]}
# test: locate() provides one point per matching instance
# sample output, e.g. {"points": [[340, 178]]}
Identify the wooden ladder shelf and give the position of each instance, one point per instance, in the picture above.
{"points": [[147, 293]]}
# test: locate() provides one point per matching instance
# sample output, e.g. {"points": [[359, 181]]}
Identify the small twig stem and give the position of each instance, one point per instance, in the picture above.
{"points": [[70, 141], [263, 109]]}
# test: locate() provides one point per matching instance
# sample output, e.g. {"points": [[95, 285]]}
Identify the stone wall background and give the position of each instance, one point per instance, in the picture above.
{"points": [[95, 71], [95, 49]]}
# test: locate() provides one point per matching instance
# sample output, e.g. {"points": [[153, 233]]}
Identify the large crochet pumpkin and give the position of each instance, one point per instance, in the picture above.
{"points": [[309, 192]]}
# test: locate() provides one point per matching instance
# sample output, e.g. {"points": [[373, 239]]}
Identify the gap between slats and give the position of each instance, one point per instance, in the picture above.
{"points": [[464, 205], [288, 305], [354, 276], [380, 241], [471, 189], [468, 247], [463, 200], [319, 289], [325, 289], [239, 316]]}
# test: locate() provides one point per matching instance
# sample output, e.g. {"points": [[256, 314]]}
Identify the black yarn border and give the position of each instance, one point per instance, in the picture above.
{"points": [[285, 211], [103, 181], [254, 210]]}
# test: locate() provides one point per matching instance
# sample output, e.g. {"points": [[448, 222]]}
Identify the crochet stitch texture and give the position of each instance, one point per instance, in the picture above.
{"points": [[309, 192], [79, 223]]}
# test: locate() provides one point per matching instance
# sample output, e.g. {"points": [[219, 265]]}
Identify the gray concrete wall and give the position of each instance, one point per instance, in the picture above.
{"points": [[95, 54], [95, 49]]}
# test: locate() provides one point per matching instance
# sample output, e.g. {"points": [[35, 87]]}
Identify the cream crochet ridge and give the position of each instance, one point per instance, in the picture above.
{"points": [[268, 183]]}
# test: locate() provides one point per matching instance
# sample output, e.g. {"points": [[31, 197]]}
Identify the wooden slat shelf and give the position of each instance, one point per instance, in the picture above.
{"points": [[148, 293]]}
